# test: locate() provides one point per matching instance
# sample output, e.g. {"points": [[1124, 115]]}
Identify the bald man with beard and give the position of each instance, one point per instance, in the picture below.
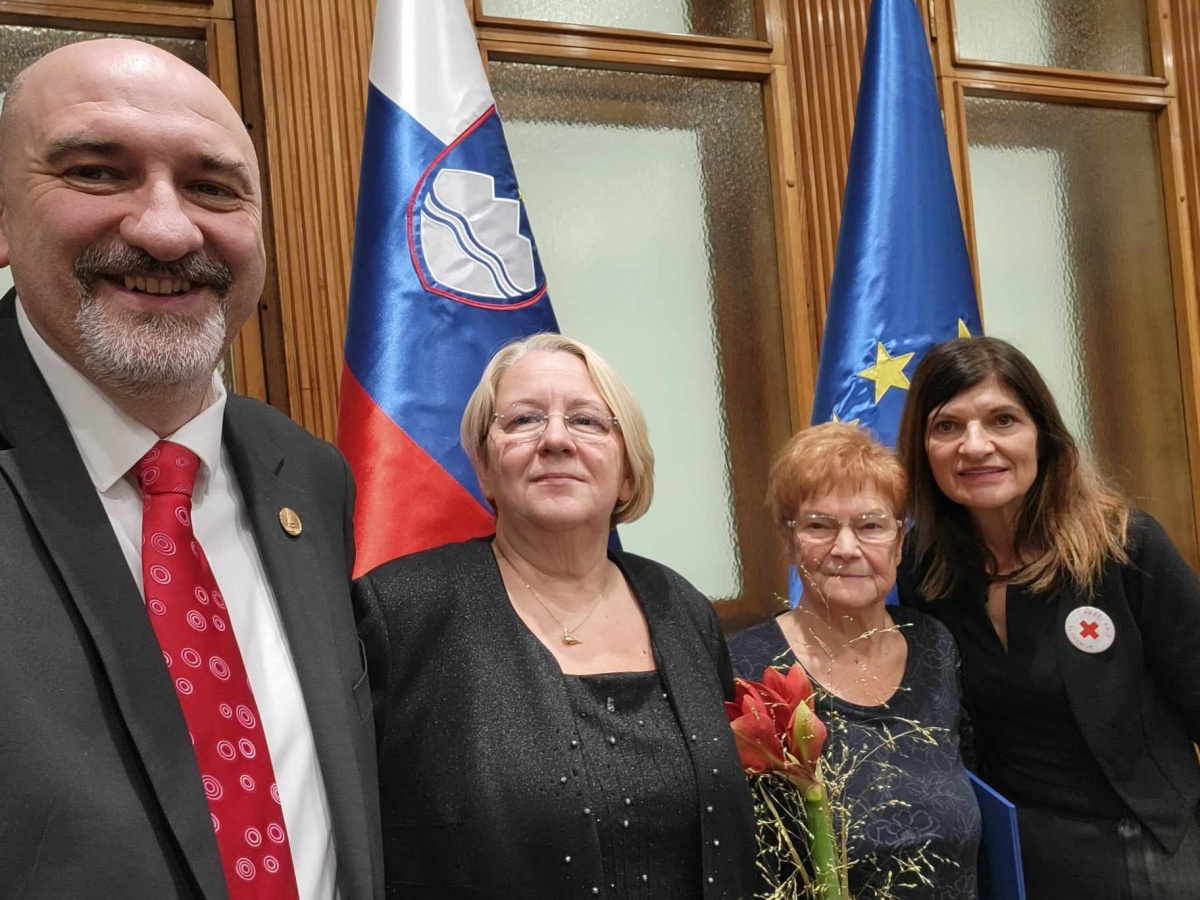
{"points": [[184, 710]]}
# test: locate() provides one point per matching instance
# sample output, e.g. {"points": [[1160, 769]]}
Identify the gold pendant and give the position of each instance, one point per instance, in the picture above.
{"points": [[570, 639]]}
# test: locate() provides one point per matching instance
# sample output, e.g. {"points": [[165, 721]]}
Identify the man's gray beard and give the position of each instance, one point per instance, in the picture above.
{"points": [[149, 355]]}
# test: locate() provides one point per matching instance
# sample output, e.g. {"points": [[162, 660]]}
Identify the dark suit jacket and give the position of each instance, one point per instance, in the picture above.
{"points": [[474, 720], [1137, 704], [100, 794]]}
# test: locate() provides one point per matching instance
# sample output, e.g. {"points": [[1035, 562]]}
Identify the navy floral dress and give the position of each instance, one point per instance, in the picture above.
{"points": [[896, 770]]}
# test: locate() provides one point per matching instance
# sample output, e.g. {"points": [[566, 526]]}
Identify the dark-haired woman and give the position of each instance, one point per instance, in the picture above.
{"points": [[1078, 623]]}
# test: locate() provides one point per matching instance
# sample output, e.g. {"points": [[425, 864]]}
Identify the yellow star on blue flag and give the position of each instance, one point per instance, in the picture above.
{"points": [[888, 371]]}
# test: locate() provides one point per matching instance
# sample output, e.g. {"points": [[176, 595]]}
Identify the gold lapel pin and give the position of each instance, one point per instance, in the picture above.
{"points": [[290, 522]]}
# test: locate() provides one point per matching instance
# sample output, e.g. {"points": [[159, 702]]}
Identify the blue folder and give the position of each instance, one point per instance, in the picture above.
{"points": [[1000, 875]]}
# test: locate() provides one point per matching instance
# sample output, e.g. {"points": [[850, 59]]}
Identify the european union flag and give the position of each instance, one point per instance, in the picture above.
{"points": [[902, 278]]}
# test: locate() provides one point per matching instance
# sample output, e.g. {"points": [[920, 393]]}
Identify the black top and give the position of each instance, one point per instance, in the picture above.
{"points": [[485, 767], [904, 788], [641, 790], [1030, 744], [1136, 705]]}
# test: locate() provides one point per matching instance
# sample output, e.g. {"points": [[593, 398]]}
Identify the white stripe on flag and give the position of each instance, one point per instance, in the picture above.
{"points": [[425, 59]]}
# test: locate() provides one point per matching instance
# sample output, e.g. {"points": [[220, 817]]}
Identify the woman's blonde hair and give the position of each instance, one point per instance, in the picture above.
{"points": [[831, 458], [639, 457], [1071, 520]]}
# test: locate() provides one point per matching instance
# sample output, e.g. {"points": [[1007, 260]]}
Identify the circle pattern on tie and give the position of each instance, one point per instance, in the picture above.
{"points": [[216, 698]]}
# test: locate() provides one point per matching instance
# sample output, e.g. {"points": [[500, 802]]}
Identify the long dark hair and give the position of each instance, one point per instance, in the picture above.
{"points": [[1070, 520]]}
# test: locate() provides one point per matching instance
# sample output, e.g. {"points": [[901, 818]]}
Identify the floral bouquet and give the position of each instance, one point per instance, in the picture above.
{"points": [[779, 740]]}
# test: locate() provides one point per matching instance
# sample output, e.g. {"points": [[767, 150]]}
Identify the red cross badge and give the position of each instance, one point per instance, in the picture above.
{"points": [[1090, 629]]}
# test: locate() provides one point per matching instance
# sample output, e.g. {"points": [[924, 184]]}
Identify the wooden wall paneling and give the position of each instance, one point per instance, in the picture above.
{"points": [[269, 321], [813, 174], [247, 351], [828, 38], [281, 141], [954, 117], [800, 335], [314, 59]]}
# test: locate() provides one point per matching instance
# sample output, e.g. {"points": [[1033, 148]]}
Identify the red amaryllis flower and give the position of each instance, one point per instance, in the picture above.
{"points": [[776, 730], [774, 725]]}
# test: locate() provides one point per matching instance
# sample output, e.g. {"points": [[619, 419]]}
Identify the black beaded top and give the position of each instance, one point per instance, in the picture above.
{"points": [[486, 765], [641, 786]]}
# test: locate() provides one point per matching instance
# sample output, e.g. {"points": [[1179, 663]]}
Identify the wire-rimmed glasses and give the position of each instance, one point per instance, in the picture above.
{"points": [[523, 422], [820, 529]]}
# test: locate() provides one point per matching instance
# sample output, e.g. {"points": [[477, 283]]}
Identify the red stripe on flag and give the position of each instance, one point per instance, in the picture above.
{"points": [[406, 501]]}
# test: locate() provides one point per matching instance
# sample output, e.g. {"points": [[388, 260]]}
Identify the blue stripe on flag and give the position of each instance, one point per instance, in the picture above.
{"points": [[419, 354]]}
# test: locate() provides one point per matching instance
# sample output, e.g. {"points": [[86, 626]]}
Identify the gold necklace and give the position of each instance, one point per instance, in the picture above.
{"points": [[568, 636]]}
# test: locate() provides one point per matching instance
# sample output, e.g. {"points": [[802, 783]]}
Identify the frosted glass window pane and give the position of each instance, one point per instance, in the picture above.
{"points": [[650, 199], [1100, 35], [721, 18], [1074, 269]]}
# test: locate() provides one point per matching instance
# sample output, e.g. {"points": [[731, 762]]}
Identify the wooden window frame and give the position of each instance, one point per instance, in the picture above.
{"points": [[1157, 93], [767, 61]]}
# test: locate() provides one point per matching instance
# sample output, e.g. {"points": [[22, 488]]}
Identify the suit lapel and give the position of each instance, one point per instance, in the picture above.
{"points": [[43, 466], [307, 592]]}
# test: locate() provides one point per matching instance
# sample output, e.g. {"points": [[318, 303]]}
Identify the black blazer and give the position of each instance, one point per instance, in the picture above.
{"points": [[468, 702], [100, 795], [1137, 704]]}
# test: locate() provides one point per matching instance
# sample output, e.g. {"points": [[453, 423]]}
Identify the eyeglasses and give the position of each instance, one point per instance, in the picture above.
{"points": [[870, 528], [526, 423]]}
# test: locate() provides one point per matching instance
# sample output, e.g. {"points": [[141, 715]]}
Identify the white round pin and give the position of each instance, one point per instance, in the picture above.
{"points": [[1089, 629]]}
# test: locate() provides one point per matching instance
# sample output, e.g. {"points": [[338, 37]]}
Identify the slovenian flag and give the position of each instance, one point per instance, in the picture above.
{"points": [[445, 272]]}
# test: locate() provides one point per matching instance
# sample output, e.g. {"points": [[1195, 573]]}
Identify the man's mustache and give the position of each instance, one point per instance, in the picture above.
{"points": [[122, 259]]}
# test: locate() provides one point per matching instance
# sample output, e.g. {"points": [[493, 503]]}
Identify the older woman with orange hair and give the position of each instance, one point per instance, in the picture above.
{"points": [[885, 676], [549, 711]]}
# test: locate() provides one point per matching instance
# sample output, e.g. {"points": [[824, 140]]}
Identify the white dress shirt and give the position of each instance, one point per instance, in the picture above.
{"points": [[111, 442]]}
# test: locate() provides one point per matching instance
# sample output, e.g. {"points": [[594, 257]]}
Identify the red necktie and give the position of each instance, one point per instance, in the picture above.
{"points": [[202, 656]]}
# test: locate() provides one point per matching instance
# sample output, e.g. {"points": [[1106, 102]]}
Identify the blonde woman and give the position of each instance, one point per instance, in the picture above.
{"points": [[550, 712], [1078, 623]]}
